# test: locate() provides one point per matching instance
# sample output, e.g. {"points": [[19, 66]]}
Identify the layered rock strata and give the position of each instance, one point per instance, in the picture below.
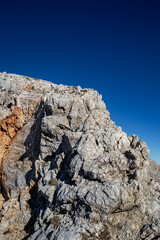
{"points": [[67, 171]]}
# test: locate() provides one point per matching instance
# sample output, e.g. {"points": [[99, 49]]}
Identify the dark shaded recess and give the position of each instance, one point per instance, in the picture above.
{"points": [[66, 146], [63, 173], [34, 204], [81, 207], [32, 143], [9, 105], [39, 201], [52, 158], [3, 189], [130, 155], [132, 165], [48, 110], [156, 237], [145, 227], [132, 159], [131, 176], [49, 235]]}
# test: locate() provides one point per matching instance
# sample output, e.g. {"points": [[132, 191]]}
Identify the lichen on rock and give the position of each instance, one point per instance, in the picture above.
{"points": [[67, 171]]}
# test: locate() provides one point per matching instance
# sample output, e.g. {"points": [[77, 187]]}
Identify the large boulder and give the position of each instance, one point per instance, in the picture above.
{"points": [[67, 171]]}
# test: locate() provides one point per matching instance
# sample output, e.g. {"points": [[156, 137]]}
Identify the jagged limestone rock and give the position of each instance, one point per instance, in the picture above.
{"points": [[67, 171]]}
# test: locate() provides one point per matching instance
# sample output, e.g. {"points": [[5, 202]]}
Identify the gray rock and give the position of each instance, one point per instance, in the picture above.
{"points": [[67, 171]]}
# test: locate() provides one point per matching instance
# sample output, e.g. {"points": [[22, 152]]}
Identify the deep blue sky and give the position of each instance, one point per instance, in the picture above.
{"points": [[111, 46]]}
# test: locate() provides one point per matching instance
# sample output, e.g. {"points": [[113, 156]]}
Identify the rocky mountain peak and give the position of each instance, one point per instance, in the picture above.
{"points": [[67, 171]]}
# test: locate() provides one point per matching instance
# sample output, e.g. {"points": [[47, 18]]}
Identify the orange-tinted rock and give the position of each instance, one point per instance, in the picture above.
{"points": [[8, 129]]}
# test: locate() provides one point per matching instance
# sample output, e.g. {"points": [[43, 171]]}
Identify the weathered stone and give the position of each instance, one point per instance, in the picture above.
{"points": [[67, 171]]}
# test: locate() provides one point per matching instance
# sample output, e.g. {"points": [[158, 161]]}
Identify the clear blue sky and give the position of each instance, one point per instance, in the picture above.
{"points": [[112, 46]]}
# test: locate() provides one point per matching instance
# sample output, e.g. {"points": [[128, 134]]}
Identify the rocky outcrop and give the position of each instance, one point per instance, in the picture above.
{"points": [[67, 171]]}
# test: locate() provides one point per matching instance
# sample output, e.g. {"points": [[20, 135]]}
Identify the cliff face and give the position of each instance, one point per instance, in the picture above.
{"points": [[67, 171]]}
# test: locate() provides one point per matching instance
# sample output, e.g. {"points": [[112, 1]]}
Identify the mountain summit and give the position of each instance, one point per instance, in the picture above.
{"points": [[67, 171]]}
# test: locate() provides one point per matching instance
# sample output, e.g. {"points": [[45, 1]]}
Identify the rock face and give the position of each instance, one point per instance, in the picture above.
{"points": [[67, 171]]}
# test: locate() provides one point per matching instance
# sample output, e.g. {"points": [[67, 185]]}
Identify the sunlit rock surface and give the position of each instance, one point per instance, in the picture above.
{"points": [[67, 171]]}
